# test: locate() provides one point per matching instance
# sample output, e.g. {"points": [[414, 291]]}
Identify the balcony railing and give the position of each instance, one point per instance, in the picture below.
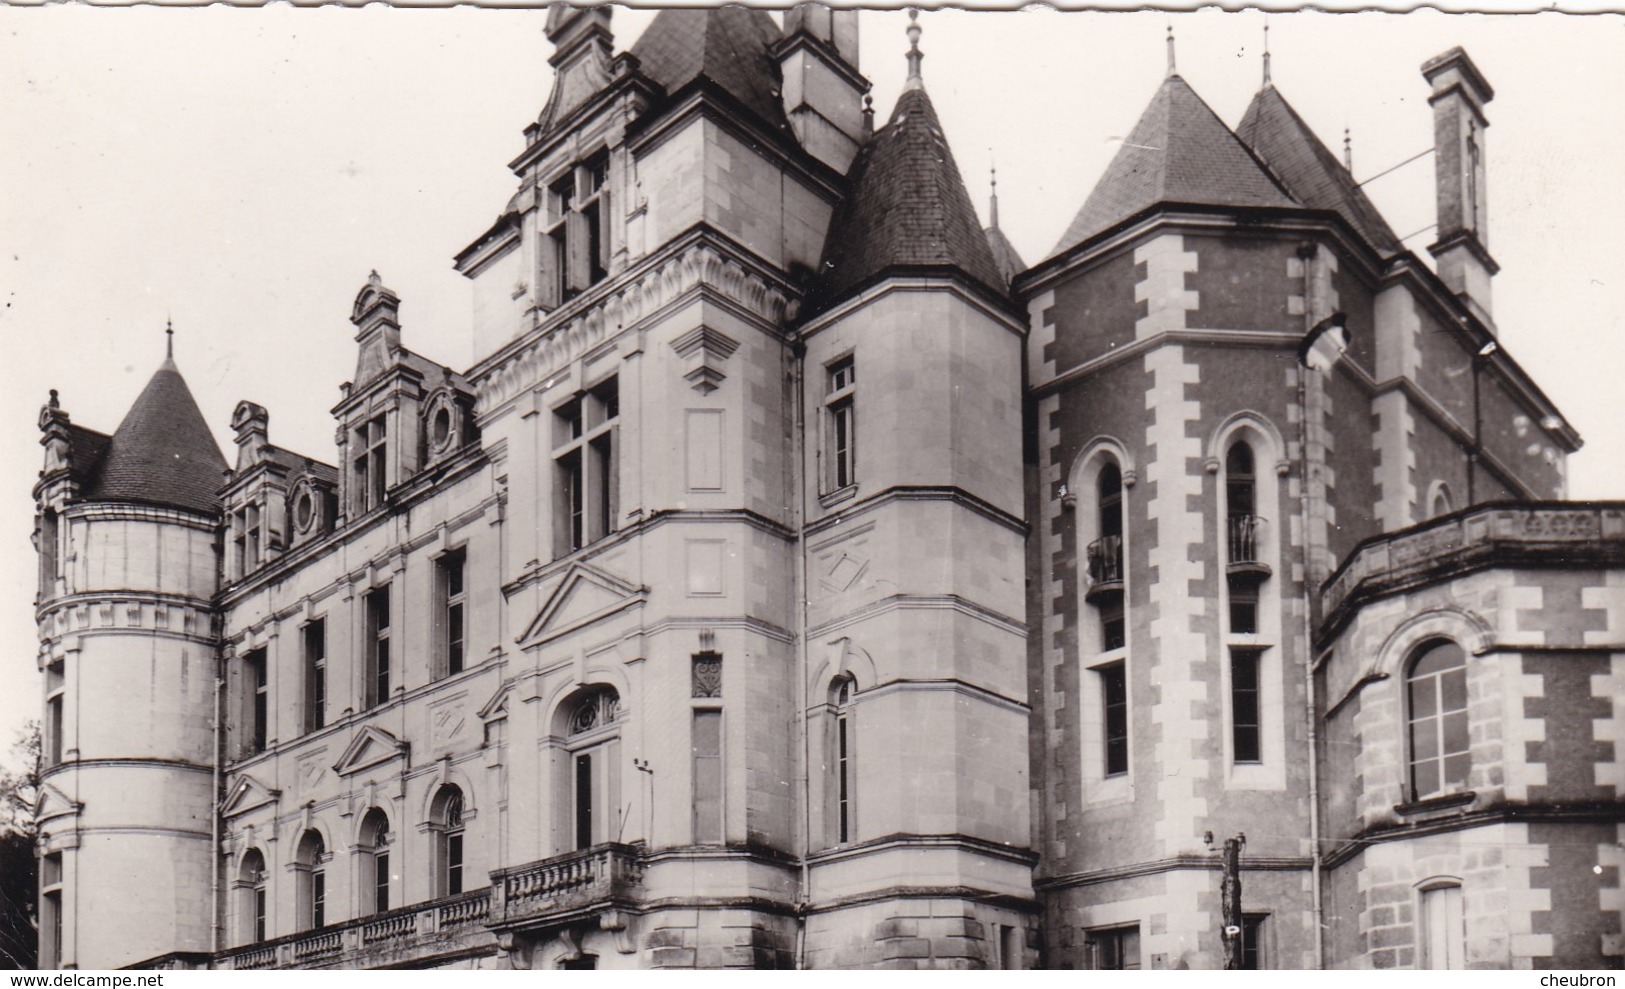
{"points": [[577, 883], [419, 931], [1245, 541], [1104, 558]]}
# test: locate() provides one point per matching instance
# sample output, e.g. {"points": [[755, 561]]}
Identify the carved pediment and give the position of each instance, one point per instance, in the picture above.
{"points": [[245, 795], [52, 802], [585, 594], [372, 746]]}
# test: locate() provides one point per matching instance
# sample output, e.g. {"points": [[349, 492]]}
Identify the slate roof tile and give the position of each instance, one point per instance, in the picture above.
{"points": [[728, 45], [163, 453]]}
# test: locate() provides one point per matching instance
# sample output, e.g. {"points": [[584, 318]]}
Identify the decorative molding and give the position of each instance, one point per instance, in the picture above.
{"points": [[372, 746], [705, 350], [695, 265]]}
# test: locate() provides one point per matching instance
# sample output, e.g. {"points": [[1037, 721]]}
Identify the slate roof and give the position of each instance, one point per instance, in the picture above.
{"points": [[1279, 136], [728, 45], [1005, 257], [1178, 152], [162, 453], [86, 448], [907, 209]]}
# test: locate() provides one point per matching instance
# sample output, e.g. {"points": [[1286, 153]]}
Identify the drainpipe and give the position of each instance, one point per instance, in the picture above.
{"points": [[214, 816], [1314, 303], [799, 506]]}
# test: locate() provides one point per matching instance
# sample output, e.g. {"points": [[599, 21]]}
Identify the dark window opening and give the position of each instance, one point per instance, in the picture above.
{"points": [[1245, 730], [378, 651], [1114, 700], [315, 674], [1436, 694]]}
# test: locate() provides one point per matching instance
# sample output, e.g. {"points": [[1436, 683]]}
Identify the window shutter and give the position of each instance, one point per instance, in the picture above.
{"points": [[547, 270], [604, 248], [578, 263]]}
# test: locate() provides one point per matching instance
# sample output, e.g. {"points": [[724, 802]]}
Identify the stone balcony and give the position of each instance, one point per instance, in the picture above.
{"points": [[566, 888], [450, 927], [1573, 535]]}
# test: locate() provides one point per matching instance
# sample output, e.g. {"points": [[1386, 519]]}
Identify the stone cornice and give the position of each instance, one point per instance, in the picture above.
{"points": [[700, 261]]}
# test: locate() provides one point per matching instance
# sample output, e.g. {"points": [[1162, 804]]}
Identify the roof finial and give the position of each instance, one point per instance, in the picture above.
{"points": [[1266, 51], [993, 196], [1172, 70], [914, 53], [169, 339], [1348, 151], [868, 115]]}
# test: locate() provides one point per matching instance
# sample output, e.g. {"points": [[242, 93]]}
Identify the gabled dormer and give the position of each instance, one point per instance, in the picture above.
{"points": [[273, 497]]}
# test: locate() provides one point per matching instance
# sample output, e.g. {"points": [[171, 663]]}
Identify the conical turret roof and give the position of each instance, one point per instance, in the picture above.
{"points": [[908, 209], [1277, 134], [163, 453], [1179, 152], [728, 45]]}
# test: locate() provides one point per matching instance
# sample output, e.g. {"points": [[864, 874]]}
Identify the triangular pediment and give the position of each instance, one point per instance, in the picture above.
{"points": [[51, 802], [497, 706], [372, 746], [585, 594], [245, 795]]}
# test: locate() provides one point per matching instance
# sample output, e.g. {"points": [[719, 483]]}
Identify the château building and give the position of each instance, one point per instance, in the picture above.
{"points": [[800, 578]]}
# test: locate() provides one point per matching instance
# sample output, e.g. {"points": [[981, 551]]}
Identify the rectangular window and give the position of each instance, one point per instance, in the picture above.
{"points": [[707, 744], [318, 898], [1444, 936], [843, 776], [841, 431], [245, 529], [1252, 941], [1245, 731], [1113, 630], [259, 911], [53, 731], [47, 544], [1243, 610], [1118, 948], [377, 645], [315, 644], [585, 467], [372, 448], [575, 246], [259, 710], [584, 800], [380, 882], [50, 927], [1009, 946], [1114, 703], [451, 613], [454, 863]]}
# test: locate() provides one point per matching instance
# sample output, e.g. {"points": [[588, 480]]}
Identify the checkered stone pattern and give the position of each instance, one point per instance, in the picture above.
{"points": [[1163, 290]]}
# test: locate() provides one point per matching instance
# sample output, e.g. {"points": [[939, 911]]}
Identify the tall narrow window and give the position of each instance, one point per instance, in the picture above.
{"points": [[1241, 503], [844, 782], [1444, 935], [451, 612], [1245, 733], [311, 871], [592, 746], [1114, 703], [841, 414], [375, 872], [575, 246], [372, 450], [259, 706], [251, 896], [245, 529], [315, 644], [377, 646], [585, 466], [1243, 608], [50, 922], [1436, 694], [1105, 554], [449, 823], [53, 730], [707, 746], [1117, 948], [1252, 941], [47, 545]]}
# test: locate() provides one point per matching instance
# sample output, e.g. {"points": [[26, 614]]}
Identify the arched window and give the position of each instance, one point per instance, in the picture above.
{"points": [[843, 780], [251, 896], [1241, 502], [374, 874], [448, 825], [1105, 557], [1441, 501], [1436, 706], [311, 871], [593, 742]]}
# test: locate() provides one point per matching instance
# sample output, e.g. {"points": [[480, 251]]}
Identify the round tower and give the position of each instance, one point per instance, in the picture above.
{"points": [[127, 534]]}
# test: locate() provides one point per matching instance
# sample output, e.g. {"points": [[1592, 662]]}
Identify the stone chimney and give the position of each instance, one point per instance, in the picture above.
{"points": [[823, 90], [1462, 250], [252, 424]]}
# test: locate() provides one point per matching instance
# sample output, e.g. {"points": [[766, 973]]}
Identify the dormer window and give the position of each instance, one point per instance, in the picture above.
{"points": [[584, 439], [574, 248], [245, 523], [372, 446]]}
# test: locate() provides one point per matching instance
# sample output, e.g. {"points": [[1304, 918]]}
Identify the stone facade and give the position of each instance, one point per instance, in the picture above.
{"points": [[787, 586]]}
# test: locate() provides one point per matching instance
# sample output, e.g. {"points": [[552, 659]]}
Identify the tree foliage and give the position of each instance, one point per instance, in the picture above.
{"points": [[19, 790]]}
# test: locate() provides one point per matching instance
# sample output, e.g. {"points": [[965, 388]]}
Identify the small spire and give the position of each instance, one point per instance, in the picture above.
{"points": [[169, 339], [914, 53], [1266, 51], [1348, 151], [868, 115], [993, 196], [1172, 68]]}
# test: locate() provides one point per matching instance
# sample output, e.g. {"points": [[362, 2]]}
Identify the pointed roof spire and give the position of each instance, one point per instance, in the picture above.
{"points": [[169, 341], [1005, 257], [1173, 68], [993, 193], [1267, 51], [163, 453], [915, 56], [1348, 152], [1178, 152]]}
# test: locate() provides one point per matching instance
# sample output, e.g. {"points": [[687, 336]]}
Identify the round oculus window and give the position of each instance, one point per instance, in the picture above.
{"points": [[304, 508], [440, 427]]}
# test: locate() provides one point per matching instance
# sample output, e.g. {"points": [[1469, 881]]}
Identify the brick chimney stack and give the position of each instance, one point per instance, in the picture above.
{"points": [[1462, 250]]}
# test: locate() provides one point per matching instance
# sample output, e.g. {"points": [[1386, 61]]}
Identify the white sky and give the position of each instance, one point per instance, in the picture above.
{"points": [[243, 170]]}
